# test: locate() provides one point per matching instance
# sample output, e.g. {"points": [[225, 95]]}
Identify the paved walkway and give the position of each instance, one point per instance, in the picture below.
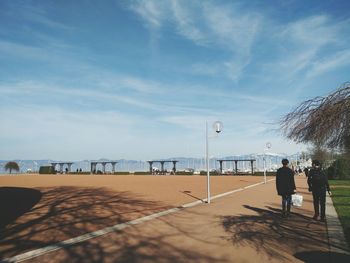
{"points": [[337, 243], [245, 226]]}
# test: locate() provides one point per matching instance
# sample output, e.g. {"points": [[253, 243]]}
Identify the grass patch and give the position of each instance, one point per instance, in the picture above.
{"points": [[340, 182], [341, 200]]}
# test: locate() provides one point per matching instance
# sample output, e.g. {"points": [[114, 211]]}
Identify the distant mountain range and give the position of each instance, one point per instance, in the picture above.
{"points": [[273, 161]]}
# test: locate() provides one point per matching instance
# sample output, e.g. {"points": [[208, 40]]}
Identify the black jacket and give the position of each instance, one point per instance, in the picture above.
{"points": [[317, 180], [285, 183]]}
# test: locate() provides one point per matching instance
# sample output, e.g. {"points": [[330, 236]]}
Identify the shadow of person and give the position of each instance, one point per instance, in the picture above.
{"points": [[322, 257], [266, 231], [14, 202]]}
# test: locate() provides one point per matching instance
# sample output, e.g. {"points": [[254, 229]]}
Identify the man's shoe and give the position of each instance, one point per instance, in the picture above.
{"points": [[315, 217], [323, 219]]}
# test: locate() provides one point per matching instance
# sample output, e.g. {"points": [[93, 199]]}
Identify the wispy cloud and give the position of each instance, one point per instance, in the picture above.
{"points": [[20, 50], [301, 50], [140, 85], [150, 11], [35, 90], [29, 92], [134, 91], [34, 13], [332, 62], [208, 25], [187, 23], [314, 31], [233, 28], [305, 39], [205, 69], [73, 135]]}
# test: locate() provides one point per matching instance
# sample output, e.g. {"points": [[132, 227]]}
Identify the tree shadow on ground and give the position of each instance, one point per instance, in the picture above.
{"points": [[66, 212], [135, 245], [268, 232], [14, 202], [322, 257]]}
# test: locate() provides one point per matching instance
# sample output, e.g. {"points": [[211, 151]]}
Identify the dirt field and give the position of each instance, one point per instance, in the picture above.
{"points": [[38, 210], [242, 227]]}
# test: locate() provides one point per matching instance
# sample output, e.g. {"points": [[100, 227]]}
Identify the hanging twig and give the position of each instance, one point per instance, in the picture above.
{"points": [[321, 120]]}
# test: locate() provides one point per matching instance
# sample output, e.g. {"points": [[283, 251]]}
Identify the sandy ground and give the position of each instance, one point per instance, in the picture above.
{"points": [[243, 227], [38, 210]]}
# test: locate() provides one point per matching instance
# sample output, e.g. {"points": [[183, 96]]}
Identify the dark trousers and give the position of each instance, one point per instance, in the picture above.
{"points": [[319, 197], [286, 202]]}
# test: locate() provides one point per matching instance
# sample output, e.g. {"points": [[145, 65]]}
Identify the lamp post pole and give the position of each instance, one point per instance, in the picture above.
{"points": [[207, 160], [218, 128], [264, 159]]}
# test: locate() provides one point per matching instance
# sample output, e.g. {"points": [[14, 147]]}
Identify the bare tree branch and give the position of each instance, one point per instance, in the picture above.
{"points": [[321, 120]]}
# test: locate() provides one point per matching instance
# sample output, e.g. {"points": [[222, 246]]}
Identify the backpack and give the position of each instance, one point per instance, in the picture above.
{"points": [[317, 178], [316, 175]]}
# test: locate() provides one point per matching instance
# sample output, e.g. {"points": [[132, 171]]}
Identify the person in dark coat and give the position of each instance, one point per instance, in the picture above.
{"points": [[318, 185], [285, 186]]}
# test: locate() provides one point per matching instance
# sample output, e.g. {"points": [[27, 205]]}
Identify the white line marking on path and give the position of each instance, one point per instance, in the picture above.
{"points": [[104, 231]]}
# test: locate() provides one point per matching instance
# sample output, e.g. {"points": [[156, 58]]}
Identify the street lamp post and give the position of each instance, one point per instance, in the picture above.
{"points": [[218, 128], [207, 160], [268, 146]]}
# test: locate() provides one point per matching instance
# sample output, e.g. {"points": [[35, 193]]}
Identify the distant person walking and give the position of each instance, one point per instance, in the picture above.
{"points": [[285, 186], [306, 172], [318, 184]]}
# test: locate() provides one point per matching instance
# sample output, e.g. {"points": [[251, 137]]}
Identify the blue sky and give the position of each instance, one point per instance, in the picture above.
{"points": [[138, 79]]}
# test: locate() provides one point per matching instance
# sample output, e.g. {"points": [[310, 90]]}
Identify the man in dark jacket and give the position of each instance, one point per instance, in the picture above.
{"points": [[285, 185], [318, 184]]}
